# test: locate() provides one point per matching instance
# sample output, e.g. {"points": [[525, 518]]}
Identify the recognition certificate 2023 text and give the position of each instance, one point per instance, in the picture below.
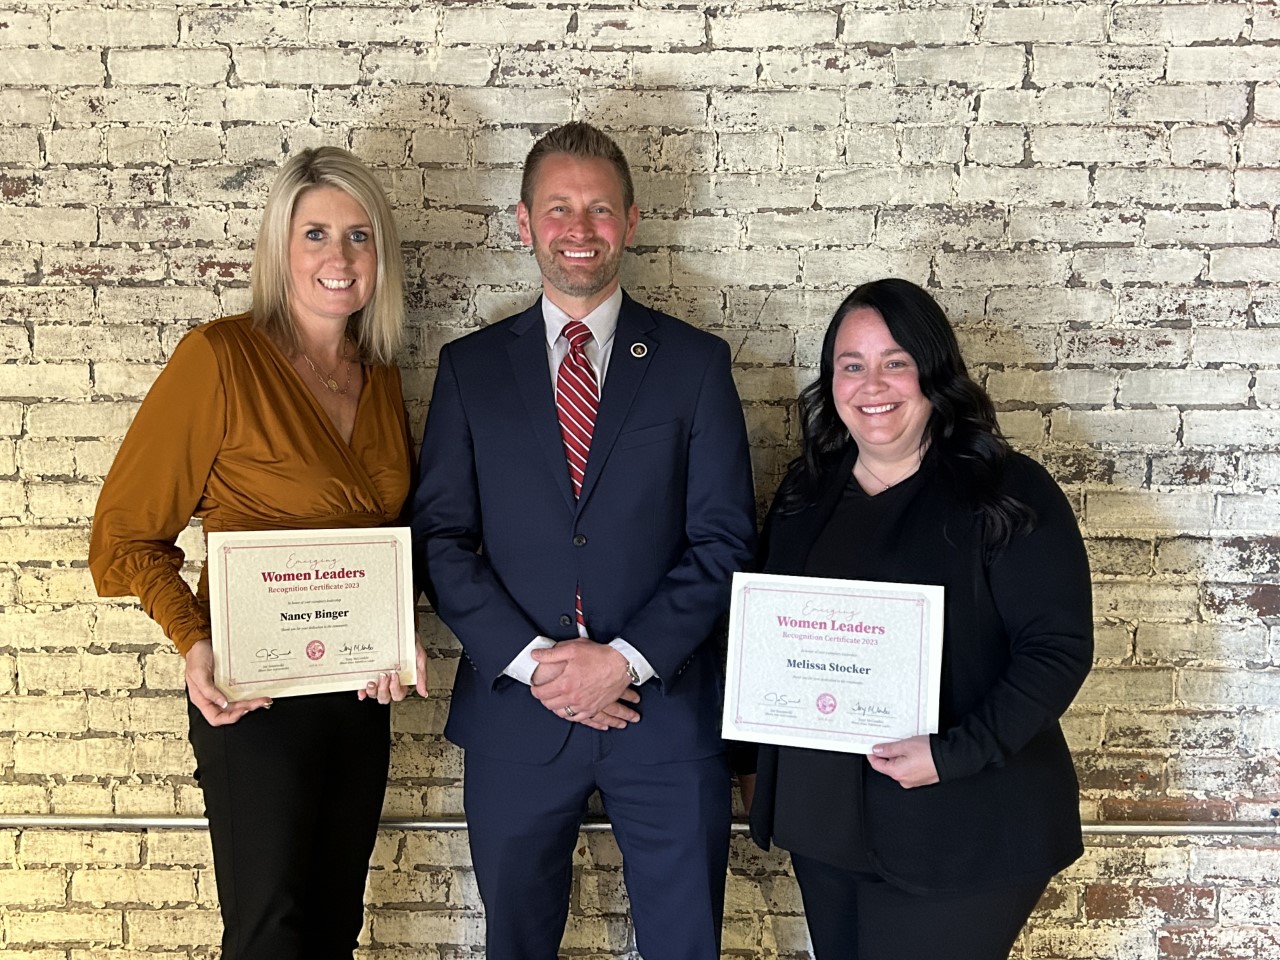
{"points": [[310, 611], [832, 664]]}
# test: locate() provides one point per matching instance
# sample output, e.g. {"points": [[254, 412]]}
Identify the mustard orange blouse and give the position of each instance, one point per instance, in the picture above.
{"points": [[231, 434]]}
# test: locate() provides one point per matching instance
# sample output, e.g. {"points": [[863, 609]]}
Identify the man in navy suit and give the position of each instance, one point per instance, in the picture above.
{"points": [[585, 494]]}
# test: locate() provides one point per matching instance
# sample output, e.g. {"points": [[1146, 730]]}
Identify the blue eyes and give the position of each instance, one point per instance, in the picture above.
{"points": [[356, 236]]}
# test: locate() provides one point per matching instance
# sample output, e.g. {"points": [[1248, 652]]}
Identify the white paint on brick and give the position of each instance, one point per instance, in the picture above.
{"points": [[1206, 103], [1054, 63], [53, 68], [997, 144], [1245, 264], [1082, 185], [1060, 225], [1023, 186], [779, 27], [247, 27], [297, 66], [903, 27], [1221, 64], [657, 28], [1179, 24], [892, 186], [996, 65], [1209, 227], [386, 24], [1190, 388]]}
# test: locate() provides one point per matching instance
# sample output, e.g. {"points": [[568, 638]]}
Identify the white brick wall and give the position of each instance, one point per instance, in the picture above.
{"points": [[1090, 187]]}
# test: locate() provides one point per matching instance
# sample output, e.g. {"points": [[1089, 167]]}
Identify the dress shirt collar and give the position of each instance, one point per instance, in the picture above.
{"points": [[602, 321]]}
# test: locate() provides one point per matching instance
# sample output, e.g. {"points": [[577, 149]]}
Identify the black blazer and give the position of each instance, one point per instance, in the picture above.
{"points": [[1018, 643]]}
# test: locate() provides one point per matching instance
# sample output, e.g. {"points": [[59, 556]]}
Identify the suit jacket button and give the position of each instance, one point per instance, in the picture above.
{"points": [[566, 620], [579, 540]]}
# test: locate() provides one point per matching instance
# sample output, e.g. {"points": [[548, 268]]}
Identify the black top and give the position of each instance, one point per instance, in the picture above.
{"points": [[1018, 642]]}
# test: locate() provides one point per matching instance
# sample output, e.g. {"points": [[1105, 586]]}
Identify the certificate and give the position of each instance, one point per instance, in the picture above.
{"points": [[310, 611], [832, 664]]}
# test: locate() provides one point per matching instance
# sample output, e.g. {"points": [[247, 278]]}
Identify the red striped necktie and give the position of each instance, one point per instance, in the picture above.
{"points": [[577, 399]]}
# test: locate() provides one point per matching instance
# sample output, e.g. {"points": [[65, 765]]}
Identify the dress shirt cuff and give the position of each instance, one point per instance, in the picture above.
{"points": [[644, 669], [522, 667]]}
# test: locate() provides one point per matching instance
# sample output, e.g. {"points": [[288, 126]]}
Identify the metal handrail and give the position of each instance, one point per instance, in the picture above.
{"points": [[1251, 828]]}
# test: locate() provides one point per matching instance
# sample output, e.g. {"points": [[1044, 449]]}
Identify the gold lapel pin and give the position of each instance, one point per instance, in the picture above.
{"points": [[638, 350]]}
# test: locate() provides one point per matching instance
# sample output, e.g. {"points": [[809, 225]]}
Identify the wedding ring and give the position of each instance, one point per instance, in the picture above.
{"points": [[569, 711]]}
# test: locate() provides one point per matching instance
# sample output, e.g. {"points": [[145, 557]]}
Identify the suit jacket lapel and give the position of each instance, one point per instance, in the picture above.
{"points": [[622, 382], [532, 374]]}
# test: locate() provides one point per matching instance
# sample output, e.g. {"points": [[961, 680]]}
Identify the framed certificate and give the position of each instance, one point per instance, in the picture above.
{"points": [[310, 611], [832, 664]]}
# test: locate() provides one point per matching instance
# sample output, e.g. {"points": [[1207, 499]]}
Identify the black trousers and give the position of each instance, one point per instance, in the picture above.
{"points": [[858, 916], [293, 795]]}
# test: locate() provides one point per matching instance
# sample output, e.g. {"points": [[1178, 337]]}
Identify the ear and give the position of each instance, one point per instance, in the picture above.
{"points": [[522, 223], [633, 220]]}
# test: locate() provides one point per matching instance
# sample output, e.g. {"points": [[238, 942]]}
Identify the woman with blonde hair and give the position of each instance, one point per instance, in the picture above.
{"points": [[289, 416]]}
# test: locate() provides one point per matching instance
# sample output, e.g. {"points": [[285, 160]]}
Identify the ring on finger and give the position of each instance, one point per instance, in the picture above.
{"points": [[569, 711]]}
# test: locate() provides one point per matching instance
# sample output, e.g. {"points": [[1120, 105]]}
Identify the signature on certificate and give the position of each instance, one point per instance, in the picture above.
{"points": [[269, 654], [780, 699]]}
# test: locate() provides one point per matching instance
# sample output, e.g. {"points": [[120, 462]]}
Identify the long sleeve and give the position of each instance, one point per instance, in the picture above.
{"points": [[231, 433], [448, 531], [153, 489], [1041, 588]]}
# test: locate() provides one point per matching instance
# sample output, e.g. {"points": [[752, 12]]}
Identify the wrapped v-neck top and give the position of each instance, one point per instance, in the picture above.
{"points": [[230, 433]]}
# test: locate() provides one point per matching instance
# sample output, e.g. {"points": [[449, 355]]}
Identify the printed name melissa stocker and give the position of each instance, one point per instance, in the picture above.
{"points": [[830, 665]]}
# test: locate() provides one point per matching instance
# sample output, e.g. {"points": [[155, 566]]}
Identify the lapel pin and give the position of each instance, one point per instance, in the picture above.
{"points": [[638, 350]]}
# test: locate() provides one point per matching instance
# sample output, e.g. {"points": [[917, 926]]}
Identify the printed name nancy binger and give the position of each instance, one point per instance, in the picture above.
{"points": [[277, 596], [832, 664]]}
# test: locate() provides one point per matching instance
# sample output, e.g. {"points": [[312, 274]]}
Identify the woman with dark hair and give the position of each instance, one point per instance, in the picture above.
{"points": [[937, 845]]}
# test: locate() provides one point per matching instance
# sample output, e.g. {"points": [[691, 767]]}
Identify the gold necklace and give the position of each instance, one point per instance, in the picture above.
{"points": [[328, 379]]}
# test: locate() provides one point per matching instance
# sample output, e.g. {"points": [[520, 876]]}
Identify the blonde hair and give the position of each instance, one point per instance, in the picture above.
{"points": [[378, 328]]}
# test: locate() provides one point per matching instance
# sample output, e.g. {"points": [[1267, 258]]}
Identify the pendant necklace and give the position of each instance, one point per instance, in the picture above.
{"points": [[329, 379], [874, 476]]}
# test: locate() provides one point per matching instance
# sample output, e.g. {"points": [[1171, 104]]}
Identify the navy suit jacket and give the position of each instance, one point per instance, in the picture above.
{"points": [[665, 517]]}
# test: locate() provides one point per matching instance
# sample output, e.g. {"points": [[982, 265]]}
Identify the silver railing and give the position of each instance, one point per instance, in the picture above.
{"points": [[1253, 828]]}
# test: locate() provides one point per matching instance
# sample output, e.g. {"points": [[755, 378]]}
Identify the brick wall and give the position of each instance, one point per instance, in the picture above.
{"points": [[1090, 189]]}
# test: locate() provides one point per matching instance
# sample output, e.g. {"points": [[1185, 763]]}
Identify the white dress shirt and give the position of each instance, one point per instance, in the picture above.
{"points": [[603, 323]]}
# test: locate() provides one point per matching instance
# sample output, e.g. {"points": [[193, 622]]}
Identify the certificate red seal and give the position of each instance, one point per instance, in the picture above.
{"points": [[315, 650], [826, 704]]}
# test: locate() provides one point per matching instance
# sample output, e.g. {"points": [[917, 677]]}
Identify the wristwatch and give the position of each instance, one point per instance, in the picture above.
{"points": [[631, 672]]}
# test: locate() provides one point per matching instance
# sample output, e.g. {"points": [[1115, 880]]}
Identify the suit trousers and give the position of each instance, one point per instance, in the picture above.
{"points": [[860, 916], [293, 795], [671, 822]]}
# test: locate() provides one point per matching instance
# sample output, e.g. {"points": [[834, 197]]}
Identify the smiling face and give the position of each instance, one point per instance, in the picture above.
{"points": [[333, 261], [578, 226], [876, 387]]}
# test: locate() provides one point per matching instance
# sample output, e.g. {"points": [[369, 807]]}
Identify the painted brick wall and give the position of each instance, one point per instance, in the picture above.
{"points": [[1090, 188]]}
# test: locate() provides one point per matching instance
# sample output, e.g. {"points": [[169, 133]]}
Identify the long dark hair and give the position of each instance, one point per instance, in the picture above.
{"points": [[962, 434]]}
